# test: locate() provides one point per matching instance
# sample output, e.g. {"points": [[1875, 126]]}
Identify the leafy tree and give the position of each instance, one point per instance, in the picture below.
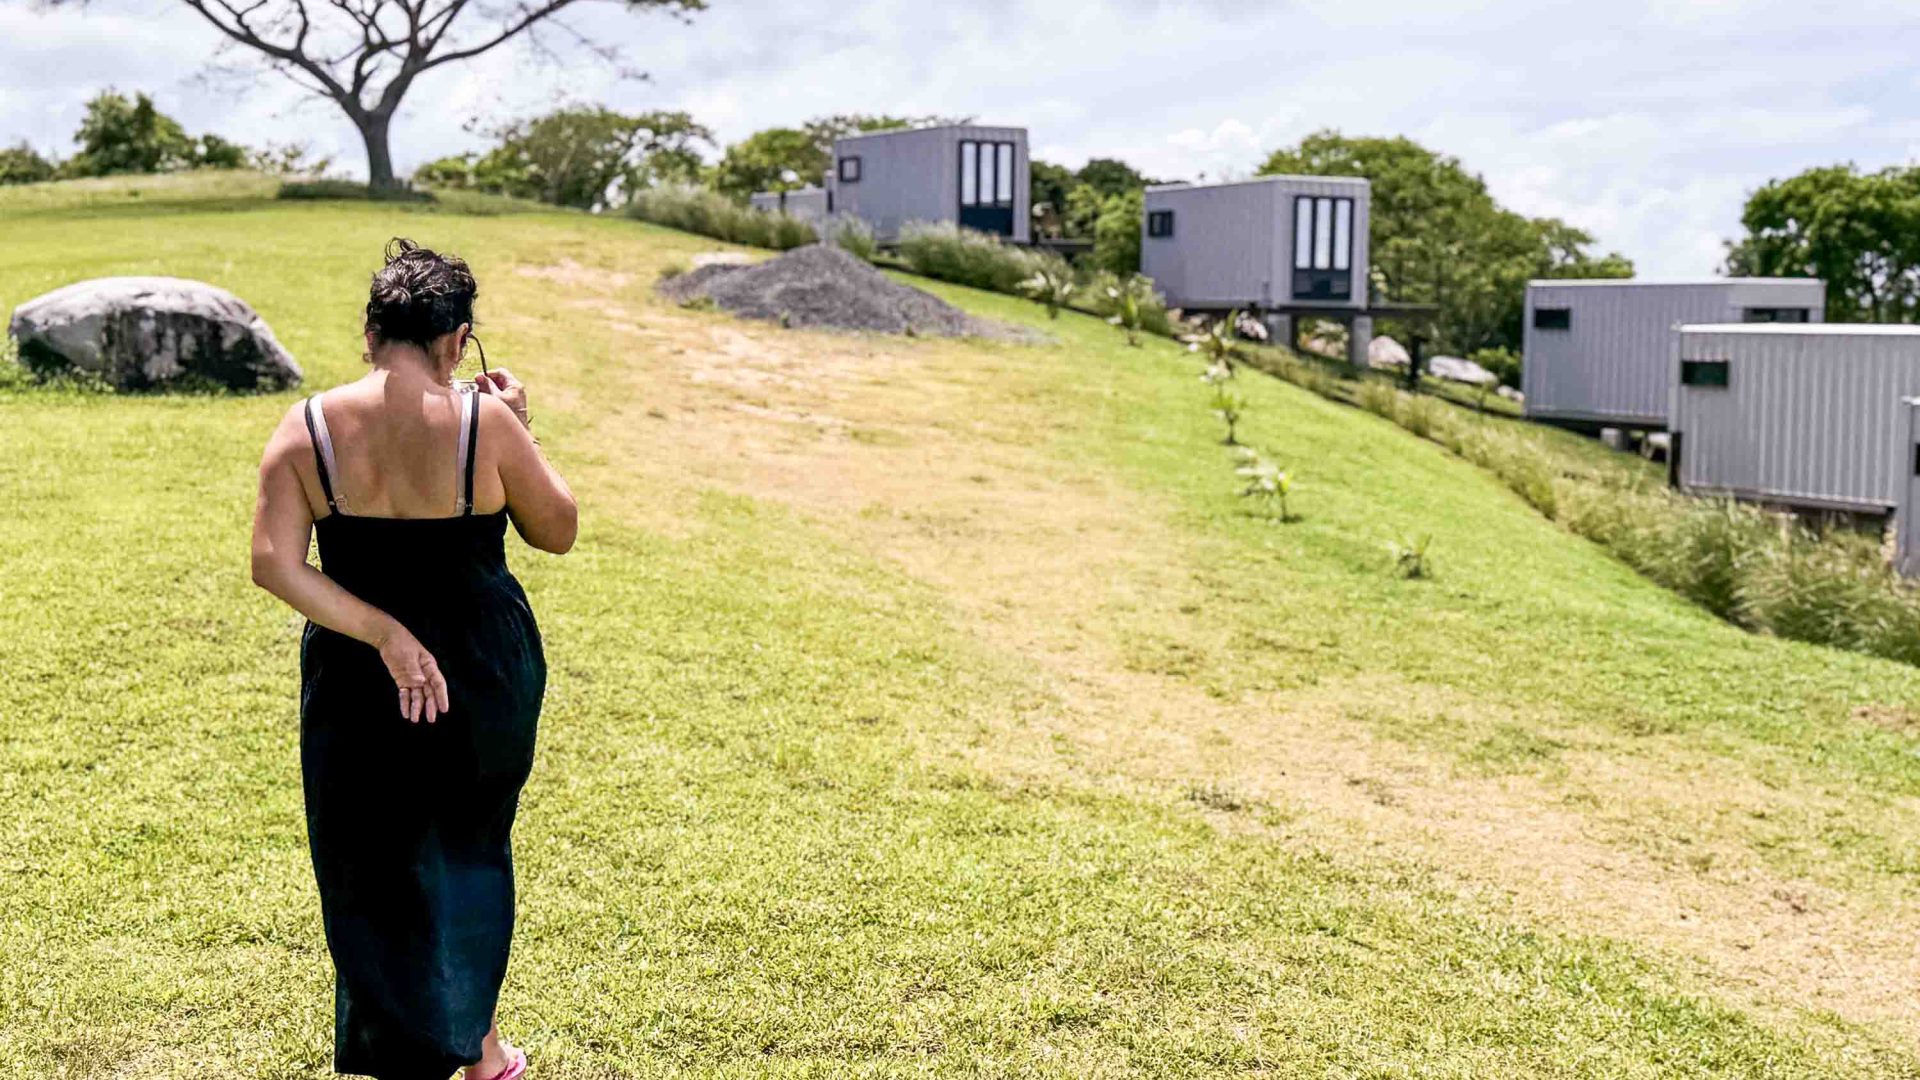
{"points": [[365, 55], [22, 164], [1859, 232], [214, 152], [122, 135], [1110, 176], [1439, 237], [1050, 184], [765, 160], [580, 156], [1116, 232]]}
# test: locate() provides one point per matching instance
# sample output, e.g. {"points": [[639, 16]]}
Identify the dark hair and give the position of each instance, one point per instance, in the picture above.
{"points": [[419, 295]]}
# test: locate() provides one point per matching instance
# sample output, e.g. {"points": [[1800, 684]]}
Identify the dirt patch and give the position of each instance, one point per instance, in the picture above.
{"points": [[824, 286], [570, 273]]}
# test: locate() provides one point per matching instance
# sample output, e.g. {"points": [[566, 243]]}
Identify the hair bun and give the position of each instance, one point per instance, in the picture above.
{"points": [[419, 295]]}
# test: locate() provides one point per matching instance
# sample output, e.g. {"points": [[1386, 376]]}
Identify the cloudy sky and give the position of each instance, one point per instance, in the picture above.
{"points": [[1644, 122]]}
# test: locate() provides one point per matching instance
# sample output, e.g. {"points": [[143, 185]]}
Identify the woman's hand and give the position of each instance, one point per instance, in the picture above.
{"points": [[423, 690], [511, 391]]}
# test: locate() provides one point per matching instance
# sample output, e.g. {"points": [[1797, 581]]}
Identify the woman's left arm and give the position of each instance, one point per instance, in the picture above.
{"points": [[282, 531]]}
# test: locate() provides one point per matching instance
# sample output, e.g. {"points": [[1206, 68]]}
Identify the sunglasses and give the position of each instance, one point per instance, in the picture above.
{"points": [[475, 338]]}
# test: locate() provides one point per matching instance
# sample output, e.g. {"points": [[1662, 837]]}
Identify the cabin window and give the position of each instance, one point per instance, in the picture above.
{"points": [[1322, 247], [1553, 318], [1776, 314], [1712, 373], [850, 170], [986, 173], [1159, 223]]}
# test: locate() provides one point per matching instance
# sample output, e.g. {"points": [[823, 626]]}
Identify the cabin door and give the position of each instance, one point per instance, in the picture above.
{"points": [[986, 186], [1907, 505]]}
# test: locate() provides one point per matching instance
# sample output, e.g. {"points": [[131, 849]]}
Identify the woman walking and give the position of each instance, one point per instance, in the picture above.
{"points": [[421, 671]]}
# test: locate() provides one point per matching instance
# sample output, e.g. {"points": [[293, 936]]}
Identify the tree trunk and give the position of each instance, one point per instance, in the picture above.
{"points": [[373, 129]]}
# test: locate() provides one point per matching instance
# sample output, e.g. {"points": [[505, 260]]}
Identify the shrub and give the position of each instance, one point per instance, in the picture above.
{"points": [[22, 164], [966, 257], [323, 189], [710, 214], [851, 234]]}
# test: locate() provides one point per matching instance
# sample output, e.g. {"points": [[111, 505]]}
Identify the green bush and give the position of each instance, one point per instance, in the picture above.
{"points": [[22, 164], [965, 257], [853, 235], [323, 189], [708, 213]]}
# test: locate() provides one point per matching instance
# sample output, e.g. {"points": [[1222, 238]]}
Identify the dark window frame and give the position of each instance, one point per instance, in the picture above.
{"points": [[1160, 223], [1339, 207], [849, 176], [1553, 318], [1773, 315], [1708, 374], [986, 173]]}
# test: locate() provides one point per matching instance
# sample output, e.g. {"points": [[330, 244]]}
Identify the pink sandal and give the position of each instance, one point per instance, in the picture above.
{"points": [[514, 1071]]}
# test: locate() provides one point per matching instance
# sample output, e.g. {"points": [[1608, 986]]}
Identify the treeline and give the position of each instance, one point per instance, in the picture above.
{"points": [[121, 135], [1857, 231]]}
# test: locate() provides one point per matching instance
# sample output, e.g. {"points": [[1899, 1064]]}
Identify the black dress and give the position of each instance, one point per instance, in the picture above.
{"points": [[410, 823]]}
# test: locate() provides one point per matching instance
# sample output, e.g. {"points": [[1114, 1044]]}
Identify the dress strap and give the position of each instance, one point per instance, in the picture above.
{"points": [[322, 449], [465, 450]]}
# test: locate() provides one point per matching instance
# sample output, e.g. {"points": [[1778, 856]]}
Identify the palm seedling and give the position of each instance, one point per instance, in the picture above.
{"points": [[1267, 483], [1052, 285]]}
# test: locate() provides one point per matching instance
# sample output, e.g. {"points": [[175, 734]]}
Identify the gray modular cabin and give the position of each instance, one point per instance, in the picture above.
{"points": [[1282, 246], [1599, 352], [974, 177], [807, 204], [1796, 415]]}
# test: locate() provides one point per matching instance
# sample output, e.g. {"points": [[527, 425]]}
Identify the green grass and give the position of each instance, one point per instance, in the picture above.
{"points": [[787, 818]]}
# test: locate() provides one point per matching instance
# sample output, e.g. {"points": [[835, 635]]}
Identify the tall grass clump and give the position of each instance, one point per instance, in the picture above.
{"points": [[707, 213], [946, 252], [851, 235]]}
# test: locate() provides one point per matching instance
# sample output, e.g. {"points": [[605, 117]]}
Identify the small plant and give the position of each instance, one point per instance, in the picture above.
{"points": [[1410, 557], [1267, 483], [672, 270], [1218, 341], [1052, 285], [1128, 304], [1227, 405]]}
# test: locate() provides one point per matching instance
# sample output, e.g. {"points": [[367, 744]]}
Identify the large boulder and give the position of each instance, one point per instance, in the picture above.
{"points": [[1457, 369], [1384, 353], [141, 333]]}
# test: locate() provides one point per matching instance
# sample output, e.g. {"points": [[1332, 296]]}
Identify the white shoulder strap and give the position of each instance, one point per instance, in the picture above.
{"points": [[464, 451], [323, 444]]}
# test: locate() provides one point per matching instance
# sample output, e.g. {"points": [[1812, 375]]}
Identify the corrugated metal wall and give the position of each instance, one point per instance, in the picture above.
{"points": [[915, 176], [1232, 244], [1612, 362], [1808, 416]]}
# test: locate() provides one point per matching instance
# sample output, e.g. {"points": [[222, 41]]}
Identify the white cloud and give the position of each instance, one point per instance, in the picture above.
{"points": [[1643, 121]]}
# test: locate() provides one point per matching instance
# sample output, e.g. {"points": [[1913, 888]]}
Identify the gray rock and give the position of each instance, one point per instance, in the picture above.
{"points": [[142, 333]]}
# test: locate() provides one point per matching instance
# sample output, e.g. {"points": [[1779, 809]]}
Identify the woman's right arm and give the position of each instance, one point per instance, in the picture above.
{"points": [[282, 529], [538, 499]]}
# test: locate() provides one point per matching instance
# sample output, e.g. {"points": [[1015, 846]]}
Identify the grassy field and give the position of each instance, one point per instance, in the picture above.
{"points": [[933, 708]]}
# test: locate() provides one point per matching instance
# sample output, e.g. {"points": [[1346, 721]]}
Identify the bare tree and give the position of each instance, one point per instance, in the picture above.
{"points": [[364, 55]]}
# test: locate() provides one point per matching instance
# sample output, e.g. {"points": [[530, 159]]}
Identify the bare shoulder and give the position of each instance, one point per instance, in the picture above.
{"points": [[290, 436], [497, 419]]}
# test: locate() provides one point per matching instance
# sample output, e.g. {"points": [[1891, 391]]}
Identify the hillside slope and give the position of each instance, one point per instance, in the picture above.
{"points": [[930, 706]]}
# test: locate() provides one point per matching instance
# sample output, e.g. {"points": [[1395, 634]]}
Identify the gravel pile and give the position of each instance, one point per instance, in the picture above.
{"points": [[824, 286]]}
